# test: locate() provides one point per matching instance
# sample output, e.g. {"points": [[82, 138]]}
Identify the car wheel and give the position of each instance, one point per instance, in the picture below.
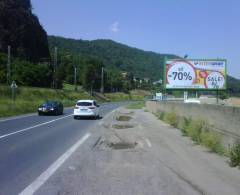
{"points": [[39, 114], [75, 117]]}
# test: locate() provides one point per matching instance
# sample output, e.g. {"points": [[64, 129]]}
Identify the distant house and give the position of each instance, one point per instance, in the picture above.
{"points": [[158, 82], [146, 80], [124, 75]]}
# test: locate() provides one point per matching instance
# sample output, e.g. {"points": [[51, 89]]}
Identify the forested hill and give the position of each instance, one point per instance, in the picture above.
{"points": [[20, 28], [140, 63]]}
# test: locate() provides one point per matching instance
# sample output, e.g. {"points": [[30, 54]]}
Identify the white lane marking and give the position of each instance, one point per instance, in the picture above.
{"points": [[148, 143], [19, 117], [24, 116], [20, 131], [39, 181]]}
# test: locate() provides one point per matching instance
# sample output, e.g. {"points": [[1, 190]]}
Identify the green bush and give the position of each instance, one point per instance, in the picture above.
{"points": [[183, 122], [194, 129], [235, 155], [212, 141], [171, 118], [161, 115]]}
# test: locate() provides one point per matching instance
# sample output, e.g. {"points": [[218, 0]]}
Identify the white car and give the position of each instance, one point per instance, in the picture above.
{"points": [[86, 108], [192, 101]]}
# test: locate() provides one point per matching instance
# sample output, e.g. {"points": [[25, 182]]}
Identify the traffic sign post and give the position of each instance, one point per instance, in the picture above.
{"points": [[13, 87]]}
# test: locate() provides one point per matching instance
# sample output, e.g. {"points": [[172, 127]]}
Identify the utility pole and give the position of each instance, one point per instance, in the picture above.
{"points": [[91, 92], [55, 67], [75, 77], [9, 65], [102, 81]]}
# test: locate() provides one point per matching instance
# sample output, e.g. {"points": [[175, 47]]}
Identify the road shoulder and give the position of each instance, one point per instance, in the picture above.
{"points": [[141, 156]]}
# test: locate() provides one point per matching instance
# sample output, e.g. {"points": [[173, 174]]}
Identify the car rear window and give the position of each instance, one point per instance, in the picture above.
{"points": [[84, 104], [49, 104]]}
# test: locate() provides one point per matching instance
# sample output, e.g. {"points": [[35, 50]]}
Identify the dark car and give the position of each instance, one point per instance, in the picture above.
{"points": [[51, 107]]}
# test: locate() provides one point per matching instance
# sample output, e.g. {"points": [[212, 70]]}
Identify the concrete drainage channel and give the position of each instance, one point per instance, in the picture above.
{"points": [[122, 126], [122, 145], [110, 144], [118, 133]]}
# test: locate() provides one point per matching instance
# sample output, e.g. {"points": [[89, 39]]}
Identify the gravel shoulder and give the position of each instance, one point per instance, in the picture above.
{"points": [[139, 154]]}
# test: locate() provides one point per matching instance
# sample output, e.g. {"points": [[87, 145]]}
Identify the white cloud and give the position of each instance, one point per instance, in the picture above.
{"points": [[115, 27]]}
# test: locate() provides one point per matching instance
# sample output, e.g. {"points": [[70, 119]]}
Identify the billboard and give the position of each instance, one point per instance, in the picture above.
{"points": [[195, 74]]}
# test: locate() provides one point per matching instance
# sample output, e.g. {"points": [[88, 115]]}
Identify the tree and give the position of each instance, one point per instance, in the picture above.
{"points": [[29, 74], [3, 71], [92, 75], [21, 29], [113, 81]]}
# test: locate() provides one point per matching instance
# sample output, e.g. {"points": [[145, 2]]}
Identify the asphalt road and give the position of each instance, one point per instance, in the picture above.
{"points": [[28, 145]]}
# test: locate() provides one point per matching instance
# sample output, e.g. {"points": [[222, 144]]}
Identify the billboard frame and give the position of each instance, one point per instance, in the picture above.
{"points": [[193, 89]]}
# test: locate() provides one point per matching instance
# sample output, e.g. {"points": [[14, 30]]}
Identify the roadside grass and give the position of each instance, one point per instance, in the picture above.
{"points": [[212, 141], [29, 98], [235, 155], [194, 130], [136, 95], [183, 123], [199, 131], [117, 97], [170, 118], [136, 105], [139, 94], [70, 87]]}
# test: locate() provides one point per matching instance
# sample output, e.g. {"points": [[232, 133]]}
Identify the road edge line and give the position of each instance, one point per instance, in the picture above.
{"points": [[40, 180], [29, 128], [17, 117]]}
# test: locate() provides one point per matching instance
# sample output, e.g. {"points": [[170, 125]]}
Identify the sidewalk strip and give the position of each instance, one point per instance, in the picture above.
{"points": [[37, 183]]}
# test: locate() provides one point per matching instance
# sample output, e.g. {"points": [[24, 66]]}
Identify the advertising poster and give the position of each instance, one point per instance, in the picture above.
{"points": [[195, 74]]}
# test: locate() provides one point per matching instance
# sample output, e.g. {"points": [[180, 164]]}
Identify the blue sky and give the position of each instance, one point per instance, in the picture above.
{"points": [[199, 28]]}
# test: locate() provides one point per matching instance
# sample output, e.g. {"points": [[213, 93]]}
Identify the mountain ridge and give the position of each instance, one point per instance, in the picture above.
{"points": [[21, 29], [114, 54], [141, 63]]}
